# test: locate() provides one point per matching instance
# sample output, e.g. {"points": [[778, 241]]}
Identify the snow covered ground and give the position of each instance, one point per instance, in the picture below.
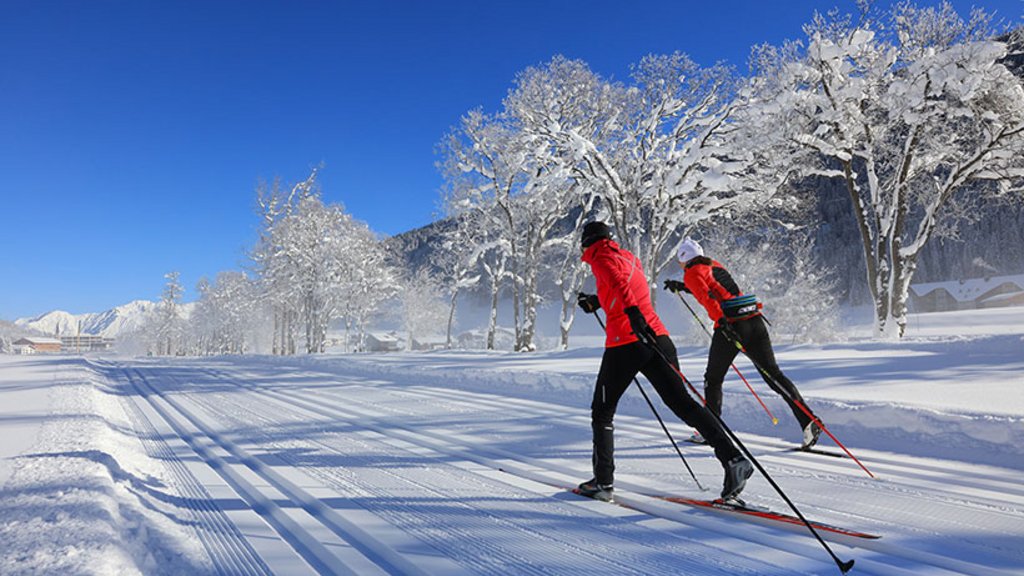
{"points": [[447, 463]]}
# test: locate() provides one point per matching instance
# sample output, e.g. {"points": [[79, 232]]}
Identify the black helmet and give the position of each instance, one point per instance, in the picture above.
{"points": [[593, 232]]}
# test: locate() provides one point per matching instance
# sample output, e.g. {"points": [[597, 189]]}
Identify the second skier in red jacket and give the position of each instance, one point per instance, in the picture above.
{"points": [[712, 285]]}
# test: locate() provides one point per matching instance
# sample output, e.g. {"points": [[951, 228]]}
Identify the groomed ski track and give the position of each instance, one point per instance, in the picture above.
{"points": [[294, 470]]}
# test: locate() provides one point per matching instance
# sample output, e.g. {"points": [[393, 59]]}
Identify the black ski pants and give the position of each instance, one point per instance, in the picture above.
{"points": [[619, 365], [753, 336]]}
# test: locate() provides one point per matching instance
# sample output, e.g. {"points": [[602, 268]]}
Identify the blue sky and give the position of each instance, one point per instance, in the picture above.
{"points": [[133, 134]]}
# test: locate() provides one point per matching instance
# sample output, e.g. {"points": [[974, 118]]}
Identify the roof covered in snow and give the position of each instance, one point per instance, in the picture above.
{"points": [[970, 289], [38, 340]]}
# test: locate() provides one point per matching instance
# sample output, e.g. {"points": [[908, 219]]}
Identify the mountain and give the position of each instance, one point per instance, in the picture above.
{"points": [[110, 324]]}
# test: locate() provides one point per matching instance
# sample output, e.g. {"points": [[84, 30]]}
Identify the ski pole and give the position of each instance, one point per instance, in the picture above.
{"points": [[660, 421], [736, 340], [844, 567], [775, 420]]}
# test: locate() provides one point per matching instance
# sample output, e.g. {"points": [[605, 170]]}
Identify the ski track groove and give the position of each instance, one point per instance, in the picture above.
{"points": [[794, 461], [267, 512], [301, 540], [835, 503], [230, 552], [637, 565]]}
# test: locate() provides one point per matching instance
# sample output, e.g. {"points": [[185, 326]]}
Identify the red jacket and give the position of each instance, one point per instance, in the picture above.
{"points": [[620, 284], [710, 283]]}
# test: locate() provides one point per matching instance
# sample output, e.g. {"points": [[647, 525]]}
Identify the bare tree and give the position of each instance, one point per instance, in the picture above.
{"points": [[317, 264], [275, 204], [224, 320], [915, 115], [424, 308], [515, 196], [655, 152], [169, 327]]}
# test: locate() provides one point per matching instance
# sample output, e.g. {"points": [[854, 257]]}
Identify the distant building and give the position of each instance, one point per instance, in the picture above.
{"points": [[426, 343], [34, 345], [86, 343], [969, 294], [382, 342]]}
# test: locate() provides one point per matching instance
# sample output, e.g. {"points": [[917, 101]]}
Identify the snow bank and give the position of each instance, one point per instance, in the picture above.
{"points": [[80, 500]]}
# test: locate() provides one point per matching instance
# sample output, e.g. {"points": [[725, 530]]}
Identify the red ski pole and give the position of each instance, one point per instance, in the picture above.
{"points": [[735, 339]]}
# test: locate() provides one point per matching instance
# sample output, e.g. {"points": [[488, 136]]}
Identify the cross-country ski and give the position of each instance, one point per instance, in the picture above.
{"points": [[742, 510]]}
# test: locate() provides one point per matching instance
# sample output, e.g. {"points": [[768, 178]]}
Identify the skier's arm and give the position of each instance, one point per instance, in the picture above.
{"points": [[698, 281]]}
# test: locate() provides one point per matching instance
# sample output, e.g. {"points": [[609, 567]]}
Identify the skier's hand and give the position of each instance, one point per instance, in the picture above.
{"points": [[729, 332], [588, 302], [639, 325], [675, 286]]}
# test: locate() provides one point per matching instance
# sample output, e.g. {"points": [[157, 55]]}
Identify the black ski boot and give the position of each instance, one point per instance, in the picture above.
{"points": [[591, 489], [811, 433], [736, 473]]}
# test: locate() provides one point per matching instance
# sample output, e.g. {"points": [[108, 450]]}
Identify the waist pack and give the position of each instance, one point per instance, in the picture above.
{"points": [[741, 308]]}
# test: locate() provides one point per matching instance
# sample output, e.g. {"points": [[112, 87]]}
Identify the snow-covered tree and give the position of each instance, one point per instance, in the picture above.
{"points": [[569, 272], [225, 315], [366, 278], [169, 326], [317, 264], [656, 152], [514, 197], [308, 245], [11, 332], [458, 268], [654, 159], [271, 267], [425, 309], [915, 114]]}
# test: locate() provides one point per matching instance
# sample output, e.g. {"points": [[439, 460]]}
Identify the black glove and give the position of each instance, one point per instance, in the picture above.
{"points": [[588, 302], [639, 325], [676, 286], [729, 332]]}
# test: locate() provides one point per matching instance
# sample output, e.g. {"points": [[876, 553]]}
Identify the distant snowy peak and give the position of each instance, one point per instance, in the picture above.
{"points": [[124, 318], [51, 323], [119, 320]]}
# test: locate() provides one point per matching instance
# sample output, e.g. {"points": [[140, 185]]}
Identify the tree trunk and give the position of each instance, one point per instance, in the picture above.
{"points": [[516, 312], [293, 317], [526, 344], [565, 324], [492, 321], [451, 321]]}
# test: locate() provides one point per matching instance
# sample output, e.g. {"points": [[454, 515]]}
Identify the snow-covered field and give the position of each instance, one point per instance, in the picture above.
{"points": [[446, 463]]}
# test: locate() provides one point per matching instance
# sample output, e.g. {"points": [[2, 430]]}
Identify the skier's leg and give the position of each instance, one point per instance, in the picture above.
{"points": [[667, 382], [754, 335], [720, 357], [618, 367]]}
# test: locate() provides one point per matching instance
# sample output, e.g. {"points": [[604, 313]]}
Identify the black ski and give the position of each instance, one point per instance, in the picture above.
{"points": [[820, 451]]}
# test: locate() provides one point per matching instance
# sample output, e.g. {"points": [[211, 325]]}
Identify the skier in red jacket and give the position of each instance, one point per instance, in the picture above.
{"points": [[712, 285], [633, 329]]}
